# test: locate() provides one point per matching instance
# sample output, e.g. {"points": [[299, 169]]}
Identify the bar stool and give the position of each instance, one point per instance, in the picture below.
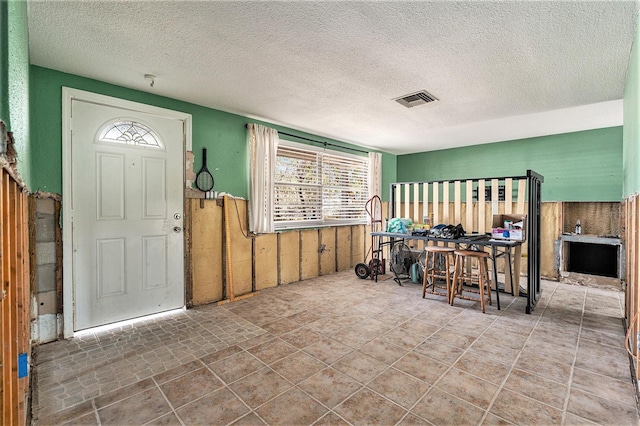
{"points": [[433, 272], [460, 276]]}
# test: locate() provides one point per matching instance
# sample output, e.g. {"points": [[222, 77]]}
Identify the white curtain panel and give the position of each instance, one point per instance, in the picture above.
{"points": [[263, 147], [375, 174]]}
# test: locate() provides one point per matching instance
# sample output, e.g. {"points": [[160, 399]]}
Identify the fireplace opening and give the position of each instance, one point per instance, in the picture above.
{"points": [[593, 259]]}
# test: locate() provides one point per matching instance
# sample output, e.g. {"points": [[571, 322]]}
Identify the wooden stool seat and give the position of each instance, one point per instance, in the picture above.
{"points": [[460, 276], [432, 272]]}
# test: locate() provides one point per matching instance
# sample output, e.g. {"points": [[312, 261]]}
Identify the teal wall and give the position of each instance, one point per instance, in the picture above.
{"points": [[580, 166], [223, 134], [631, 145], [14, 79]]}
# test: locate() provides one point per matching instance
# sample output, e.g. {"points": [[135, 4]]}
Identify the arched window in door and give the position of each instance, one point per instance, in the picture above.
{"points": [[130, 133]]}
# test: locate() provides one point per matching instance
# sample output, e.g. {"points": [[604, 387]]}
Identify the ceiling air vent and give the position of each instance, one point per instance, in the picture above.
{"points": [[415, 99]]}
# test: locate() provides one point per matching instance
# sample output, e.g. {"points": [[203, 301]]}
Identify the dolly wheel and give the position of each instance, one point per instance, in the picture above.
{"points": [[362, 270]]}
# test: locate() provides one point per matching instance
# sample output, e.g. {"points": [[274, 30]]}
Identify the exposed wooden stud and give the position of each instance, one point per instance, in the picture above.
{"points": [[416, 204], [469, 226], [482, 220], [457, 218], [495, 196], [398, 199], [445, 203], [508, 196], [425, 201], [407, 199], [522, 196], [436, 203]]}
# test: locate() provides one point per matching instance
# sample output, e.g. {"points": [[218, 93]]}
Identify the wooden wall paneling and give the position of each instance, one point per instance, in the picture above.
{"points": [[436, 204], [266, 261], [343, 258], [549, 233], [241, 259], [309, 256], [481, 208], [446, 217], [357, 244], [289, 248], [416, 203], [468, 224], [327, 250], [508, 196], [206, 255], [457, 203]]}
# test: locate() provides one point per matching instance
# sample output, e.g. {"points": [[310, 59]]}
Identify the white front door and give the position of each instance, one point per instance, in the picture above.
{"points": [[127, 208]]}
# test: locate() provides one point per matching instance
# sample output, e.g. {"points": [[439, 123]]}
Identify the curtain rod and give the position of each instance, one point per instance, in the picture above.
{"points": [[320, 142]]}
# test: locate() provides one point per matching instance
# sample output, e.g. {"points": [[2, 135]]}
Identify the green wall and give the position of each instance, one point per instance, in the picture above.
{"points": [[14, 79], [223, 134], [580, 166], [631, 146]]}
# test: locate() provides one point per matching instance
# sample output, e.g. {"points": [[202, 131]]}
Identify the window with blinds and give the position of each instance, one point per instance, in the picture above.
{"points": [[318, 188]]}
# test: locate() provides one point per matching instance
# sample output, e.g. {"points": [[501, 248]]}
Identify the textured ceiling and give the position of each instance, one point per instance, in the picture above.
{"points": [[502, 70]]}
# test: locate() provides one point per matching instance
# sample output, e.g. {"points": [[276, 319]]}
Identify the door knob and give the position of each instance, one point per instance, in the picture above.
{"points": [[177, 216], [177, 229]]}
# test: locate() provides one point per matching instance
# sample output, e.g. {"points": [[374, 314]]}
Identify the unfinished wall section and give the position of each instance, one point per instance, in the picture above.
{"points": [[632, 276], [48, 289], [262, 261]]}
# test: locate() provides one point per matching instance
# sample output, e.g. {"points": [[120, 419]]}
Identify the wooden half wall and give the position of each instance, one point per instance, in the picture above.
{"points": [[259, 262]]}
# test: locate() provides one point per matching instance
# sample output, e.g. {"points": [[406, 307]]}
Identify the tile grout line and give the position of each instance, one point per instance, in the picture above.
{"points": [[515, 361], [575, 357]]}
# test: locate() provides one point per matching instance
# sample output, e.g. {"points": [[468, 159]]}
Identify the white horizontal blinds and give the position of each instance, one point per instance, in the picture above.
{"points": [[298, 190], [344, 187]]}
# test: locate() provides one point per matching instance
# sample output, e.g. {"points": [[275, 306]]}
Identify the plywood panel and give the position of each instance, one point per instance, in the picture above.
{"points": [[241, 250], [289, 249], [343, 248], [327, 250], [206, 251], [266, 261], [357, 244], [309, 265], [550, 231]]}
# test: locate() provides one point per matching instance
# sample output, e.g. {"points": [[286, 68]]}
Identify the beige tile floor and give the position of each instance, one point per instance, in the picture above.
{"points": [[339, 350]]}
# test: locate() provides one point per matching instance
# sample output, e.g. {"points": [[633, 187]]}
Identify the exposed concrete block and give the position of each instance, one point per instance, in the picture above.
{"points": [[45, 206], [46, 329], [45, 253], [45, 228], [47, 303], [46, 278]]}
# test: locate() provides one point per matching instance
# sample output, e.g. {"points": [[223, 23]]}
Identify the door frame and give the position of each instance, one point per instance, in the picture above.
{"points": [[69, 95]]}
